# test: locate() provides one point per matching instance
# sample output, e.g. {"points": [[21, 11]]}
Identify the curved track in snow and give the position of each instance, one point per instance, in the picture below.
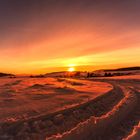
{"points": [[117, 124], [111, 116]]}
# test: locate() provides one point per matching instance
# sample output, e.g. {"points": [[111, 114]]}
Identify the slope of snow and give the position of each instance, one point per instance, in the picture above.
{"points": [[21, 98]]}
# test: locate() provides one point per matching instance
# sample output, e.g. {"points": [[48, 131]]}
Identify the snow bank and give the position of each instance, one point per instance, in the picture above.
{"points": [[93, 128], [135, 135]]}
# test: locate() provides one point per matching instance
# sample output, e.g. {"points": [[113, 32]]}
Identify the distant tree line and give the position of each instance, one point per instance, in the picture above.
{"points": [[106, 74], [91, 74], [5, 74], [37, 76]]}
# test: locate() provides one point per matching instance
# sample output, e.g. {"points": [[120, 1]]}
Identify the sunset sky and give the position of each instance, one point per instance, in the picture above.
{"points": [[39, 36]]}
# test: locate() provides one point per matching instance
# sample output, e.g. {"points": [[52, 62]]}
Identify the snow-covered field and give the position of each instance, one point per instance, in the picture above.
{"points": [[21, 98], [70, 109], [136, 76]]}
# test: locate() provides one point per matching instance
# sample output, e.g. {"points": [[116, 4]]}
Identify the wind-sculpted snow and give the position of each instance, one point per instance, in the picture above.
{"points": [[69, 109], [95, 127], [63, 120], [135, 135], [22, 98]]}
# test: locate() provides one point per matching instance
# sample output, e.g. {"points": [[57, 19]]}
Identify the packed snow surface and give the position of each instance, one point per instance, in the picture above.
{"points": [[21, 98]]}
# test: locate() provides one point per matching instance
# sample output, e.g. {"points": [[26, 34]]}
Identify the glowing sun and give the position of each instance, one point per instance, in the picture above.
{"points": [[71, 69]]}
